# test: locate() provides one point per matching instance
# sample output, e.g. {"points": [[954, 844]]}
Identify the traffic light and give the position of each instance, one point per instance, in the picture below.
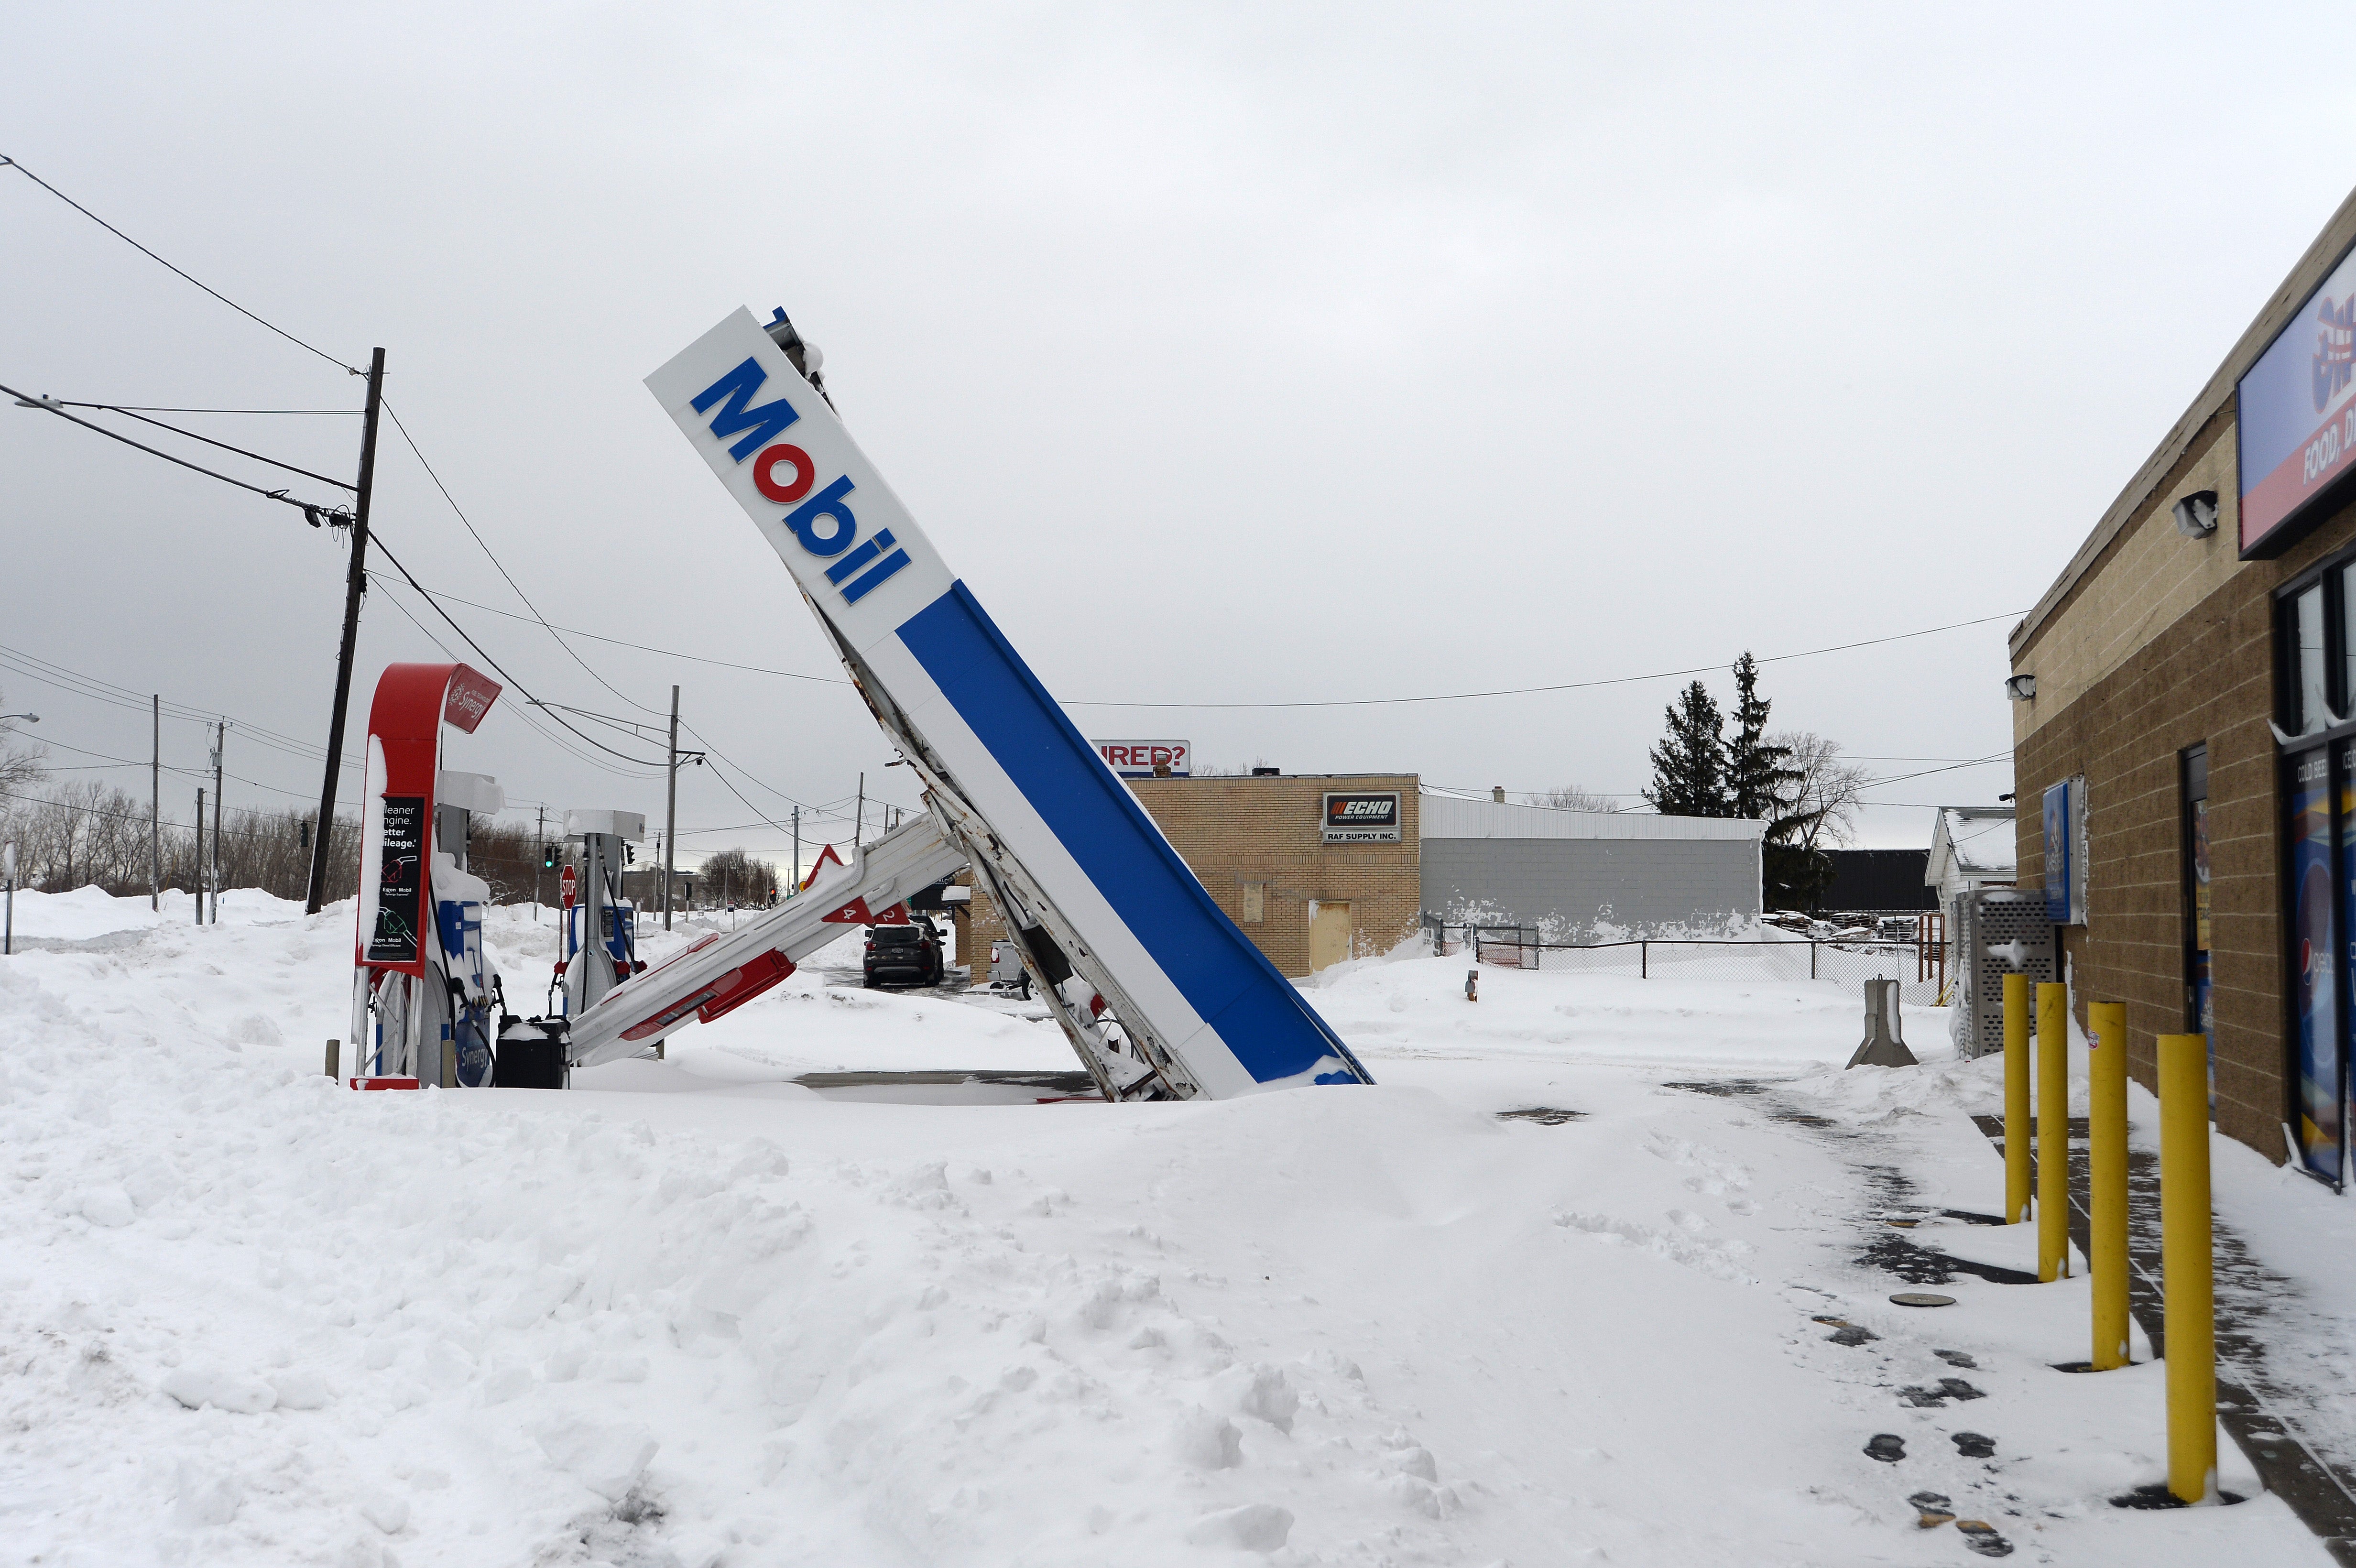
{"points": [[548, 857]]}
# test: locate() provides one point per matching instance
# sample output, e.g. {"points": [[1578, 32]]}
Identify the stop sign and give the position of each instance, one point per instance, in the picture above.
{"points": [[568, 883]]}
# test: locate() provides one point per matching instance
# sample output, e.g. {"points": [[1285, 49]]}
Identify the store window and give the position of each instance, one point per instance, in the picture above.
{"points": [[2310, 698], [2317, 628]]}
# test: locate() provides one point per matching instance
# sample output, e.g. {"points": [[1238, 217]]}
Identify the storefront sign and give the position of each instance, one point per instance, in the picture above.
{"points": [[2296, 415], [1139, 758], [1363, 817]]}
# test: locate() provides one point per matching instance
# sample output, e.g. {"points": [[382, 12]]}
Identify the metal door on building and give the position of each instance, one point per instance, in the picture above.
{"points": [[1329, 935]]}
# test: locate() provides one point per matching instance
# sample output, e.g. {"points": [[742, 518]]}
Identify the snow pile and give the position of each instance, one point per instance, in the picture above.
{"points": [[696, 1314]]}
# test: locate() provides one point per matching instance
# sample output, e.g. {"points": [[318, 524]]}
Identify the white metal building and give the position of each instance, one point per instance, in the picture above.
{"points": [[1586, 875]]}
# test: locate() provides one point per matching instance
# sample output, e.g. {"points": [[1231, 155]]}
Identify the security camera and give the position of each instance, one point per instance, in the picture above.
{"points": [[2196, 514], [2020, 688]]}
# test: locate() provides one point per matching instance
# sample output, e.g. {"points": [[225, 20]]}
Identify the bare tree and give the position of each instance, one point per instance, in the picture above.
{"points": [[1576, 797], [735, 876], [1826, 791]]}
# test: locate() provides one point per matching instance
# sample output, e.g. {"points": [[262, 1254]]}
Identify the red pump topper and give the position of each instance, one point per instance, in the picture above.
{"points": [[404, 757]]}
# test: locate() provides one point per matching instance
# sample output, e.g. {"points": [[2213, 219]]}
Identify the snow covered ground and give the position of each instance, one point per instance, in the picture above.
{"points": [[694, 1313]]}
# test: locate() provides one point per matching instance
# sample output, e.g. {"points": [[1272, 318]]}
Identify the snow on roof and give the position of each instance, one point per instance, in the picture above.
{"points": [[1979, 839], [1457, 816]]}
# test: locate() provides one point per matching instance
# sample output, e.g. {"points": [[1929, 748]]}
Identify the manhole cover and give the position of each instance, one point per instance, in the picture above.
{"points": [[1921, 1298]]}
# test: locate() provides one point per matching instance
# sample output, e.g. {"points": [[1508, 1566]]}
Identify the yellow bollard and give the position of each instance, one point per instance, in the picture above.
{"points": [[2106, 1189], [2016, 1099], [2052, 1131], [2188, 1267]]}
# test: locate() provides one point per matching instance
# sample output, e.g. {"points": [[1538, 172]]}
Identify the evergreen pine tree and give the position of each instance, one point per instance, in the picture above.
{"points": [[1763, 787], [1689, 764], [1758, 775]]}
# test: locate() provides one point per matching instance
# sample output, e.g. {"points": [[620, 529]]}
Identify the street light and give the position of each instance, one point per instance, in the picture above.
{"points": [[27, 718]]}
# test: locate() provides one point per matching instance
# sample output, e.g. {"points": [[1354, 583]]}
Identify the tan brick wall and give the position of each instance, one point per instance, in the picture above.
{"points": [[1237, 830], [1231, 831], [2149, 578], [2204, 675], [977, 925]]}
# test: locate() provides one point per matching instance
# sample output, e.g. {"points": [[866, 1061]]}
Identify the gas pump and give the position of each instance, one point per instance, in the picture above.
{"points": [[425, 1001], [600, 943]]}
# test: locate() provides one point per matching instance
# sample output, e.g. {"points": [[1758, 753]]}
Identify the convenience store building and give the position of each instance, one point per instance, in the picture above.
{"points": [[2184, 721]]}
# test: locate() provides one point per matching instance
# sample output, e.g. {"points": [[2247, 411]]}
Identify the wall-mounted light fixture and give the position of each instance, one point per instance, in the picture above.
{"points": [[2020, 688], [2196, 514]]}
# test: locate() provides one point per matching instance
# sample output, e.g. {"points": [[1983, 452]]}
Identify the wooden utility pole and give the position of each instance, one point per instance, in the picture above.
{"points": [[354, 584], [155, 808], [199, 878], [670, 808], [220, 743]]}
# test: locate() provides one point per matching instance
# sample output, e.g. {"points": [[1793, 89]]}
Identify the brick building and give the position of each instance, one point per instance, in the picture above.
{"points": [[1308, 890], [2186, 778]]}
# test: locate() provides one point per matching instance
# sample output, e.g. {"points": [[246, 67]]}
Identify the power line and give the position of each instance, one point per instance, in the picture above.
{"points": [[52, 406], [62, 677], [412, 443], [1451, 697], [552, 709], [154, 409], [113, 762], [1565, 686], [645, 647], [11, 163], [209, 440], [523, 717], [87, 810], [1975, 762], [1357, 702]]}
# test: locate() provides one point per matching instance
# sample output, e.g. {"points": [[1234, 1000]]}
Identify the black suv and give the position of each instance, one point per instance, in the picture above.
{"points": [[902, 955]]}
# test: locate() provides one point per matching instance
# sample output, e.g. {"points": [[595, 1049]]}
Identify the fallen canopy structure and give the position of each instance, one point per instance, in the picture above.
{"points": [[1159, 993]]}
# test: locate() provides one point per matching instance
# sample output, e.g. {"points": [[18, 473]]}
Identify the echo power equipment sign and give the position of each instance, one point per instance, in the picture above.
{"points": [[1362, 817]]}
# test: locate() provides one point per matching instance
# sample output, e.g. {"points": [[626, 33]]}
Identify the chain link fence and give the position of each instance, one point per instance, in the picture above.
{"points": [[1918, 967]]}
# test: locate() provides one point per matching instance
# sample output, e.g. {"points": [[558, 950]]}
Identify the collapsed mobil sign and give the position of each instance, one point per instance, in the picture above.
{"points": [[824, 522], [2296, 416]]}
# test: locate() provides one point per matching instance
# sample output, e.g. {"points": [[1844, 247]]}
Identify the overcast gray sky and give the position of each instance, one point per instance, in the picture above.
{"points": [[1232, 355]]}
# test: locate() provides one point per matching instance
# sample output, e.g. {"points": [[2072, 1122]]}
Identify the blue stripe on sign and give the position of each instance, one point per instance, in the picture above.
{"points": [[861, 554], [873, 580], [1268, 1026]]}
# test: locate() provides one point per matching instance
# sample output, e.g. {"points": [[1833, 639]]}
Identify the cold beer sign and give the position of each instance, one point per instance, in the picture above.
{"points": [[1144, 759]]}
